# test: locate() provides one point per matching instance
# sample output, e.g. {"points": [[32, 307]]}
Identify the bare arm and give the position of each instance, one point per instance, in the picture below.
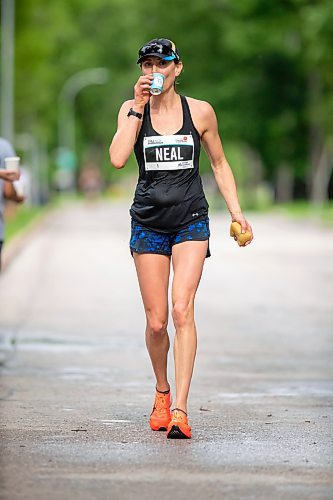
{"points": [[9, 175], [223, 174], [125, 137], [129, 126]]}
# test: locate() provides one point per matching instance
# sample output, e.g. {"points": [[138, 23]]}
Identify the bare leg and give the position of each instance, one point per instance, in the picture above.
{"points": [[153, 272], [188, 259]]}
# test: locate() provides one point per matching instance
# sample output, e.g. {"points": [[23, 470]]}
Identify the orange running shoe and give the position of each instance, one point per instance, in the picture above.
{"points": [[160, 415], [178, 427]]}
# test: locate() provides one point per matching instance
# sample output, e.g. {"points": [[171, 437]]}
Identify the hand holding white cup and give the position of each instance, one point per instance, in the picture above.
{"points": [[12, 166]]}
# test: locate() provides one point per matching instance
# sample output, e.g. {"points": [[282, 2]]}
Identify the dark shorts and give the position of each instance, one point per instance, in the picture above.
{"points": [[146, 240]]}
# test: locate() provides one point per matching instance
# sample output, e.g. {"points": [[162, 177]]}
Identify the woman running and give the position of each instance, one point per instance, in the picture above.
{"points": [[170, 216]]}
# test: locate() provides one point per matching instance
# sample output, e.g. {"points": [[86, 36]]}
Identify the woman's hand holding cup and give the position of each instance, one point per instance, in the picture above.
{"points": [[142, 92], [11, 172]]}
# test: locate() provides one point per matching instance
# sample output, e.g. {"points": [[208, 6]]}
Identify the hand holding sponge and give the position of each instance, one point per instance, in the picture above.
{"points": [[236, 232]]}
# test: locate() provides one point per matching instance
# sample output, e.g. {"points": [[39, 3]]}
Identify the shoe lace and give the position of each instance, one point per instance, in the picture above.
{"points": [[160, 403]]}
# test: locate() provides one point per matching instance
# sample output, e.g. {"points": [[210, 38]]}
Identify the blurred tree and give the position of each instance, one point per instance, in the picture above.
{"points": [[317, 38], [264, 66]]}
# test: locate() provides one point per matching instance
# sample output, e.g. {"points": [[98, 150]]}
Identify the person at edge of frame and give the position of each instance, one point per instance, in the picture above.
{"points": [[7, 190], [169, 216]]}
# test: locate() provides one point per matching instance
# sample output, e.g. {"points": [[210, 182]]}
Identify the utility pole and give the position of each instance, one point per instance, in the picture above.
{"points": [[66, 154], [68, 93], [7, 69]]}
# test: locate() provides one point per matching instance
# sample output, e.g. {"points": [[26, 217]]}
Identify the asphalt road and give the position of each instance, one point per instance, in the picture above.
{"points": [[77, 386]]}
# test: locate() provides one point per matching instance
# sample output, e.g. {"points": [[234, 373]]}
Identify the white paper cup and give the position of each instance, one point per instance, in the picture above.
{"points": [[12, 162]]}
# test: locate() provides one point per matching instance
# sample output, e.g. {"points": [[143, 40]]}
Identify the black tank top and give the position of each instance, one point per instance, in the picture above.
{"points": [[169, 193]]}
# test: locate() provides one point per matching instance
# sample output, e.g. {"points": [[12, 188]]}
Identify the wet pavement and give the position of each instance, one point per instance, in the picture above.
{"points": [[77, 386]]}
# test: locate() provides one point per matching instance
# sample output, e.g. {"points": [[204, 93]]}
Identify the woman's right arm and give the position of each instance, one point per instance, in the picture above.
{"points": [[129, 126]]}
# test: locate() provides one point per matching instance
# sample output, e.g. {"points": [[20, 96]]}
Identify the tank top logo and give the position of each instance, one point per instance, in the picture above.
{"points": [[168, 152]]}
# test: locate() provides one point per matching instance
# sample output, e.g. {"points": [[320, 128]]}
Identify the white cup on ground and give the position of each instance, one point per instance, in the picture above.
{"points": [[12, 163]]}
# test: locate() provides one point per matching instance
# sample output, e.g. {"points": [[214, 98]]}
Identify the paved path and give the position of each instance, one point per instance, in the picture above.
{"points": [[77, 387]]}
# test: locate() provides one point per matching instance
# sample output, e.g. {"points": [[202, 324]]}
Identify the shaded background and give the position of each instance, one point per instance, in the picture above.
{"points": [[264, 66]]}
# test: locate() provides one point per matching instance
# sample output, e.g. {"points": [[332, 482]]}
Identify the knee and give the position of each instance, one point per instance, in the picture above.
{"points": [[157, 326], [182, 313]]}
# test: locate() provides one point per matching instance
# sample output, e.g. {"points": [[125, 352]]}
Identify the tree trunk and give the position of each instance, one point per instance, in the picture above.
{"points": [[284, 184], [321, 178], [320, 161], [254, 176]]}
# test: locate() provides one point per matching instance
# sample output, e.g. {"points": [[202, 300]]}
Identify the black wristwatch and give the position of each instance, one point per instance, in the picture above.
{"points": [[134, 113]]}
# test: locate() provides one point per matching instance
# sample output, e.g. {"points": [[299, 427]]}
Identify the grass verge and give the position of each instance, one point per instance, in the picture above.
{"points": [[20, 217], [305, 210]]}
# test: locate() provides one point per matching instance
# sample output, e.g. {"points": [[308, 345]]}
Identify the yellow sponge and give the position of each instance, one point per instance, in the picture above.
{"points": [[236, 230]]}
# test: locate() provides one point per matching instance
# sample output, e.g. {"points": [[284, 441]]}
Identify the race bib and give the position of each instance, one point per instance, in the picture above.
{"points": [[168, 152]]}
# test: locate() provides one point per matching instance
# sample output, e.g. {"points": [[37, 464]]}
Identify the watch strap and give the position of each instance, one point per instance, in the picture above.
{"points": [[134, 113]]}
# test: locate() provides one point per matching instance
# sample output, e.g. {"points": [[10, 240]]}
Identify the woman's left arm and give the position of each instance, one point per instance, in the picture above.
{"points": [[223, 174]]}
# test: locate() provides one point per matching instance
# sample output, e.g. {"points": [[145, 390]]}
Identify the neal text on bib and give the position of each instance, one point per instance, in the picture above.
{"points": [[168, 152]]}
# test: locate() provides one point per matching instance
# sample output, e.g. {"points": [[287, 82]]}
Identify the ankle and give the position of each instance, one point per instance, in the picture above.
{"points": [[163, 388], [180, 408]]}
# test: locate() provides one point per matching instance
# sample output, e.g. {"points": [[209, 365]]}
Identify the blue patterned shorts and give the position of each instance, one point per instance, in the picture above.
{"points": [[146, 240]]}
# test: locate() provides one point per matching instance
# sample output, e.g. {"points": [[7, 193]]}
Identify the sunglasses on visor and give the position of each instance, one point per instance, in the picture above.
{"points": [[158, 48]]}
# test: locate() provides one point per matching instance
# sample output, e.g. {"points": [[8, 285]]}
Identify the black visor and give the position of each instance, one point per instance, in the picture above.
{"points": [[161, 50]]}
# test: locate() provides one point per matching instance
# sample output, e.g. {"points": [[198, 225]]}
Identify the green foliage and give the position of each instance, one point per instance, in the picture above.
{"points": [[22, 219], [251, 60], [306, 211]]}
